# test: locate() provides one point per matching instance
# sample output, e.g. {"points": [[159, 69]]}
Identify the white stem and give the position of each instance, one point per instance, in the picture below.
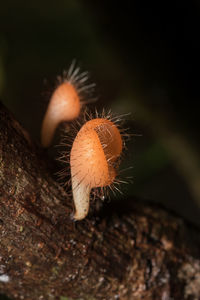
{"points": [[81, 196]]}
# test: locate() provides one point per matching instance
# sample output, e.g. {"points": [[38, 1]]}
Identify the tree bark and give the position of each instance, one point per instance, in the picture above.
{"points": [[127, 250]]}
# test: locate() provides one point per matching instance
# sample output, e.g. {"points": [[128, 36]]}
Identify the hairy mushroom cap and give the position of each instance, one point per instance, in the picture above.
{"points": [[93, 160], [64, 105]]}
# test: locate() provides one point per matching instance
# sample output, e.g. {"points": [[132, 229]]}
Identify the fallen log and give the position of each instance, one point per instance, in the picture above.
{"points": [[127, 250]]}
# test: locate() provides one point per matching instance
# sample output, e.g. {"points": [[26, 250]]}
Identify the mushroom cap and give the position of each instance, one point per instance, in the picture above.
{"points": [[94, 153], [65, 102]]}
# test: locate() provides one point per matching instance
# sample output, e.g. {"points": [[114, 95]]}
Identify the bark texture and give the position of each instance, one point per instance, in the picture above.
{"points": [[126, 250]]}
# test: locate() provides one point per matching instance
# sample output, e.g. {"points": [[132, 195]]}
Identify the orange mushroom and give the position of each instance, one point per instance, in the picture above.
{"points": [[93, 160], [64, 106], [65, 103]]}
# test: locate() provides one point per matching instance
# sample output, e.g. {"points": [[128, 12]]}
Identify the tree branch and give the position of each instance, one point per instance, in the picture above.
{"points": [[126, 251]]}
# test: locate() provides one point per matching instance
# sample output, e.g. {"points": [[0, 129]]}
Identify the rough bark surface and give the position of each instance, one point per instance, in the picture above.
{"points": [[125, 251]]}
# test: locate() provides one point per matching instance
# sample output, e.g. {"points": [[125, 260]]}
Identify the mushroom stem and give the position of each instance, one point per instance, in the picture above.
{"points": [[48, 129], [81, 196]]}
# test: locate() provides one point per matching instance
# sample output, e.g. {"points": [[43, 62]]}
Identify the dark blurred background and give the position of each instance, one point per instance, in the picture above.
{"points": [[144, 58]]}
